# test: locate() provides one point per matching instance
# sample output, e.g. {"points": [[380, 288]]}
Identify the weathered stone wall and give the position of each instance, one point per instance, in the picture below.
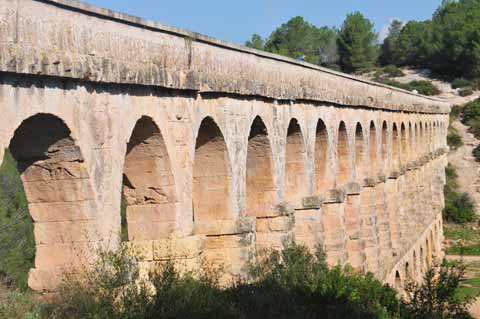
{"points": [[220, 151]]}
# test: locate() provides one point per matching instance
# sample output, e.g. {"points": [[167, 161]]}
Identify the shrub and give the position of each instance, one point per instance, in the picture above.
{"points": [[459, 207], [292, 283], [424, 87], [17, 244], [460, 83], [465, 92], [476, 153], [455, 112], [437, 297], [454, 140], [471, 117], [393, 71]]}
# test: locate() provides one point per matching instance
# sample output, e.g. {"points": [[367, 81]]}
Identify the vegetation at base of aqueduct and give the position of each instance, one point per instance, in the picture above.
{"points": [[292, 283], [459, 207], [448, 44]]}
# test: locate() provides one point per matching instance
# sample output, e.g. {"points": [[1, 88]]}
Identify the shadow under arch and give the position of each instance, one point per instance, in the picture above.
{"points": [[343, 153], [395, 147], [148, 185], [296, 183], [403, 144], [360, 152], [374, 168], [212, 175], [321, 157], [260, 190], [59, 195], [384, 146]]}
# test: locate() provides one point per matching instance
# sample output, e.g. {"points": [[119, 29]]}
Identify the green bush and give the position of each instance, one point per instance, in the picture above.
{"points": [[476, 153], [424, 87], [454, 140], [17, 243], [459, 207], [292, 283], [438, 296], [471, 117], [465, 92], [460, 83], [393, 71]]}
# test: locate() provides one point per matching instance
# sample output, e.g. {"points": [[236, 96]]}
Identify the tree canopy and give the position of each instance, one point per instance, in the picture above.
{"points": [[356, 42]]}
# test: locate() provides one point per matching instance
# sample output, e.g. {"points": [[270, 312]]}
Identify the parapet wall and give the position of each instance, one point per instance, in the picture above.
{"points": [[71, 39]]}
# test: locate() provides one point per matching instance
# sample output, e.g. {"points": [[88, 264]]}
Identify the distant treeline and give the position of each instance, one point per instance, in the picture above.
{"points": [[448, 44]]}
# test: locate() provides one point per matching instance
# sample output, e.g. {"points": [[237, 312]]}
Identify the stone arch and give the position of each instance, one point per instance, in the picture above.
{"points": [[422, 260], [212, 175], [374, 169], [416, 141], [60, 197], [395, 147], [148, 184], [428, 256], [408, 272], [404, 144], [360, 152], [321, 157], [343, 153], [421, 140], [411, 141], [260, 191], [414, 265], [384, 145], [296, 183], [398, 280]]}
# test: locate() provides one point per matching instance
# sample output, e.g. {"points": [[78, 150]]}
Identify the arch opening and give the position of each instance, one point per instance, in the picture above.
{"points": [[404, 144], [395, 147], [260, 191], [321, 157], [384, 146], [296, 184], [360, 152], [398, 280], [343, 152], [374, 170], [212, 176], [148, 185], [59, 196]]}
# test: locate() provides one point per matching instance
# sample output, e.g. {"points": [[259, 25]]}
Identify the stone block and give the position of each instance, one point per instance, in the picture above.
{"points": [[188, 247], [353, 188], [63, 211], [312, 202], [152, 213], [45, 280], [333, 196], [239, 225], [65, 232], [369, 182], [229, 241]]}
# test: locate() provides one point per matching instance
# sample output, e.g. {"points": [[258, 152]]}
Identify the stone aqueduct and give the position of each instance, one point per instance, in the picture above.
{"points": [[220, 150]]}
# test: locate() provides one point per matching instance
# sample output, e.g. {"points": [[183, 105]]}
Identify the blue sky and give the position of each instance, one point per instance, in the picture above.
{"points": [[236, 21]]}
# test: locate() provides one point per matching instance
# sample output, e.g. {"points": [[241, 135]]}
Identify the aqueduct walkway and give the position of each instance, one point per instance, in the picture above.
{"points": [[220, 150]]}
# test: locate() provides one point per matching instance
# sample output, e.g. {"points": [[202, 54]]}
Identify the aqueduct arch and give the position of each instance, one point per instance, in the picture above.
{"points": [[149, 184], [212, 177], [343, 155], [261, 196], [296, 184], [59, 194], [321, 157]]}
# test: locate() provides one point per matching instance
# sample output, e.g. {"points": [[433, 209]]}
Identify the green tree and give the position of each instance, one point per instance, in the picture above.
{"points": [[298, 36], [415, 44], [357, 46], [390, 53], [256, 42], [456, 39]]}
